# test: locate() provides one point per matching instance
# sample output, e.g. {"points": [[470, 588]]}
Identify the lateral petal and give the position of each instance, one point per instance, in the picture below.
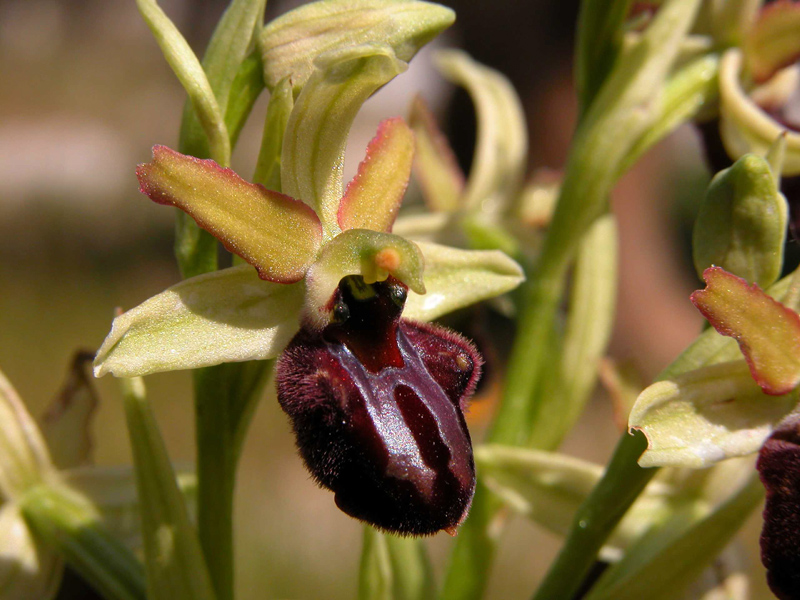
{"points": [[374, 195]]}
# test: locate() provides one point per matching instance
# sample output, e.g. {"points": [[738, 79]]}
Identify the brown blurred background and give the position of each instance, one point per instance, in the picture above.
{"points": [[85, 93]]}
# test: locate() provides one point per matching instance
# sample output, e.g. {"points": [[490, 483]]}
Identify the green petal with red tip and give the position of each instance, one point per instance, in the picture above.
{"points": [[224, 316], [371, 254], [456, 278], [290, 44], [773, 42], [435, 165], [276, 234], [374, 195], [768, 332], [316, 134]]}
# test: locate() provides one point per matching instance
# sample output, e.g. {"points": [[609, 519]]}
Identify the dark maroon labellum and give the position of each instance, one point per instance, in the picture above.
{"points": [[779, 467], [377, 408]]}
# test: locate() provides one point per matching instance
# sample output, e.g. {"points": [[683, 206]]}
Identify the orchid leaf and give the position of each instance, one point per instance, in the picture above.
{"points": [[65, 423], [373, 255], [28, 568], [292, 42], [456, 278], [425, 226], [268, 167], [741, 225], [278, 235], [314, 142], [24, 459], [245, 90], [174, 561], [435, 164], [193, 78], [374, 195], [767, 331], [703, 416], [773, 41], [227, 50], [225, 316], [113, 491], [744, 125], [501, 150]]}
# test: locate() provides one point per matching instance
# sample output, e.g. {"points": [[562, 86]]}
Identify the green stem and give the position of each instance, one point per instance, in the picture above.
{"points": [[68, 522], [596, 519], [225, 400]]}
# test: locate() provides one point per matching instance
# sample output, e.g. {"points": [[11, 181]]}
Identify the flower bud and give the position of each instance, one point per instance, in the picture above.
{"points": [[741, 225], [377, 408]]}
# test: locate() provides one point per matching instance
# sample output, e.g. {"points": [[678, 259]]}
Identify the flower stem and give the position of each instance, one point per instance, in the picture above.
{"points": [[596, 518], [225, 400]]}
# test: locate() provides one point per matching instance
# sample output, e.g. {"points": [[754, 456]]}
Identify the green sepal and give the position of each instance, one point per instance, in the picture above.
{"points": [[741, 225], [315, 138], [456, 278], [225, 316], [371, 254], [291, 43], [704, 416], [174, 562]]}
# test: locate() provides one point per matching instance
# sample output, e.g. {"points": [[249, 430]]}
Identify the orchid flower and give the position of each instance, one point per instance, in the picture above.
{"points": [[335, 281]]}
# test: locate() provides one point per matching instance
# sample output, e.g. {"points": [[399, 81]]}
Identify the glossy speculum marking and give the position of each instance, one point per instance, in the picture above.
{"points": [[377, 404]]}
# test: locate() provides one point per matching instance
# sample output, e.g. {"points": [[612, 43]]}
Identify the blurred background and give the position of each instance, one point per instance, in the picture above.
{"points": [[85, 94]]}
